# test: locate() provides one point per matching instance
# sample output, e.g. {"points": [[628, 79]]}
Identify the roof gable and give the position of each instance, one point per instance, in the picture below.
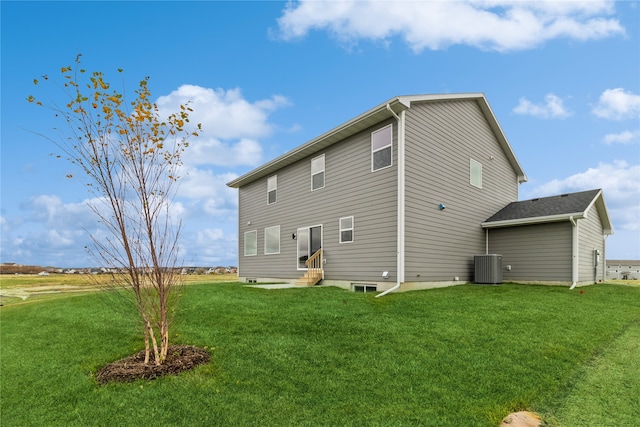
{"points": [[550, 209], [384, 111]]}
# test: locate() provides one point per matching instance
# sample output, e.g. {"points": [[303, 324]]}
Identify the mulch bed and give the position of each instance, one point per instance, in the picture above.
{"points": [[179, 358]]}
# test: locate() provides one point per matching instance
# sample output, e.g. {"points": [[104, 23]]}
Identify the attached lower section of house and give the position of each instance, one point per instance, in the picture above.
{"points": [[557, 240], [403, 197]]}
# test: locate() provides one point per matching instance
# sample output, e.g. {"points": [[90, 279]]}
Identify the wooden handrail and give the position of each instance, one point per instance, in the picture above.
{"points": [[314, 263]]}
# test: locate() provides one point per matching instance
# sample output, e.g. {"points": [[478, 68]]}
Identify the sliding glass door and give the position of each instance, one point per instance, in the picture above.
{"points": [[309, 241]]}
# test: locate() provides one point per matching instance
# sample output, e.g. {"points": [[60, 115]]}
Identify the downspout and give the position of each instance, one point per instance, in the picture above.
{"points": [[574, 253], [401, 204], [604, 257], [603, 261], [486, 241]]}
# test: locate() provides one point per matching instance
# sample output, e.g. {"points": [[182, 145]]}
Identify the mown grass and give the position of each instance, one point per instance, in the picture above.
{"points": [[608, 392], [27, 288], [466, 355], [8, 281]]}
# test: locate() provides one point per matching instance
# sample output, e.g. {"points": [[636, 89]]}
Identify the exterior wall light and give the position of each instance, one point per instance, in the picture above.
{"points": [[441, 206]]}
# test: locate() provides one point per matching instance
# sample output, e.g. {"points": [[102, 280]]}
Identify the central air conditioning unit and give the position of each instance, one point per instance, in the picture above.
{"points": [[488, 269]]}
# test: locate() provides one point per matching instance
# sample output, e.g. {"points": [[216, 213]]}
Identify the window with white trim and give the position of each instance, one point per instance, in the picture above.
{"points": [[272, 240], [346, 229], [272, 189], [381, 148], [475, 173], [251, 243], [317, 173]]}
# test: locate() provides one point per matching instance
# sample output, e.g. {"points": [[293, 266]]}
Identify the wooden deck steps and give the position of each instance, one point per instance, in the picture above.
{"points": [[310, 278], [314, 272]]}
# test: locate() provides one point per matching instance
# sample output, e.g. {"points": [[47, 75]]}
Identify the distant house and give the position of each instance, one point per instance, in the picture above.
{"points": [[623, 269], [403, 196]]}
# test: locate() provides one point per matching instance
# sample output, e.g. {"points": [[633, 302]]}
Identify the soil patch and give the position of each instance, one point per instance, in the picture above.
{"points": [[179, 358]]}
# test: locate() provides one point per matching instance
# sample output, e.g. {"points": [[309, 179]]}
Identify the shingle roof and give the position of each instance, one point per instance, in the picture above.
{"points": [[548, 209], [546, 206]]}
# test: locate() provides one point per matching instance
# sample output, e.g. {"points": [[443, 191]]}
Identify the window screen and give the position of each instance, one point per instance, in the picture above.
{"points": [[272, 189], [475, 173], [317, 173], [346, 229], [272, 240], [381, 148], [251, 243]]}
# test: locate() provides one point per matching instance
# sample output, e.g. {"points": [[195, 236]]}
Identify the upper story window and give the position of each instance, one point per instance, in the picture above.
{"points": [[475, 173], [251, 243], [381, 148], [346, 229], [272, 189], [317, 173]]}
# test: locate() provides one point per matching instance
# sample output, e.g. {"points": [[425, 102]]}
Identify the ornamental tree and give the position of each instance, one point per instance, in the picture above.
{"points": [[130, 158]]}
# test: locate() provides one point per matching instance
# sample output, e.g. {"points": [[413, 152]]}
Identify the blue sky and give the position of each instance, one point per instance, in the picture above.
{"points": [[563, 79]]}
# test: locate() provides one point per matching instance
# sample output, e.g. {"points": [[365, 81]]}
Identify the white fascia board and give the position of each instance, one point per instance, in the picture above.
{"points": [[533, 220], [603, 212]]}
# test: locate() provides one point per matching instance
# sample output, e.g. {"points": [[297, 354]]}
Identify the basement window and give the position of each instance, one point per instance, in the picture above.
{"points": [[364, 287]]}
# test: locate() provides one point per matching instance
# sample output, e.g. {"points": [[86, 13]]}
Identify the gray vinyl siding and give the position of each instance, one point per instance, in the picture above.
{"points": [[590, 237], [440, 139], [538, 252], [351, 189]]}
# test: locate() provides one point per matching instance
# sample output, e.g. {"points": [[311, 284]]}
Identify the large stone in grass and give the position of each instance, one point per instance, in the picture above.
{"points": [[521, 419]]}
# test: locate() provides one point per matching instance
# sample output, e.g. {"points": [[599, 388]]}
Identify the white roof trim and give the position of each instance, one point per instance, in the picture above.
{"points": [[533, 220], [605, 219]]}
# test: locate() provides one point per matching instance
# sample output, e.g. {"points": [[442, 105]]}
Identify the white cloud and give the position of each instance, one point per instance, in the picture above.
{"points": [[617, 104], [490, 25], [53, 212], [553, 108], [215, 152], [620, 183], [212, 247], [626, 137], [208, 235], [230, 123], [200, 184], [223, 114]]}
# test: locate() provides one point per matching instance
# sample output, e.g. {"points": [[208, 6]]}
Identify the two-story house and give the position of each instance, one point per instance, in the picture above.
{"points": [[394, 198]]}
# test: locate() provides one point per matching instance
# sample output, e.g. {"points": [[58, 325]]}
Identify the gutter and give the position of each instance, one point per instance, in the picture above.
{"points": [[401, 204], [533, 220]]}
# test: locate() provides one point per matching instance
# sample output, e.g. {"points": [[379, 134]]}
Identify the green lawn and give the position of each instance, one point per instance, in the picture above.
{"points": [[460, 356]]}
